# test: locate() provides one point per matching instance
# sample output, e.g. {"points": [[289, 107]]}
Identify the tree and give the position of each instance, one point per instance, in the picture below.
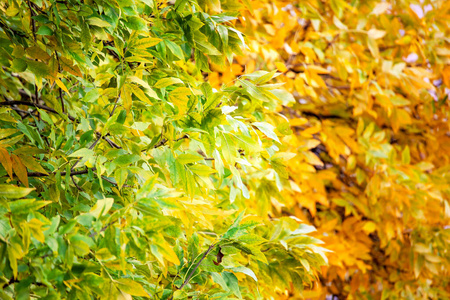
{"points": [[124, 174], [371, 82]]}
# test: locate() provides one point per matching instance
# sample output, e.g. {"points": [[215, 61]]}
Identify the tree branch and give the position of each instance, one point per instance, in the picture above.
{"points": [[164, 141], [191, 273], [60, 90], [38, 174], [44, 107]]}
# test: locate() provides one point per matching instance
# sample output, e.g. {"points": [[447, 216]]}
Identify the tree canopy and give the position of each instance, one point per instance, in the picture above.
{"points": [[371, 81], [124, 173], [190, 149]]}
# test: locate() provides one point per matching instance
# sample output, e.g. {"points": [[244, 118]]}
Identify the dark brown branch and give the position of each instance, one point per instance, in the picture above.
{"points": [[321, 116], [44, 107], [164, 141], [33, 25], [161, 143], [111, 143], [60, 90], [38, 174], [22, 113]]}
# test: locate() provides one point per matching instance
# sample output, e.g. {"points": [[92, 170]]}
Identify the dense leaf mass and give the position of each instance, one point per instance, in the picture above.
{"points": [[124, 174], [371, 81]]}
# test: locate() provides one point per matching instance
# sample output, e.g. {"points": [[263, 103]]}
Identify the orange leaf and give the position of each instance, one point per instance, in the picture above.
{"points": [[6, 161], [20, 169]]}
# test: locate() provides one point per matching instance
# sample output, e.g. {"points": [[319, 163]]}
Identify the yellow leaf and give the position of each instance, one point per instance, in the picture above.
{"points": [[131, 287], [147, 43], [141, 95], [179, 98], [165, 82], [126, 97], [281, 67], [62, 86], [36, 229]]}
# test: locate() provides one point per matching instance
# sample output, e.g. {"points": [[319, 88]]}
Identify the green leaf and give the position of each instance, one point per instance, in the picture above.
{"points": [[246, 271], [102, 207], [80, 247], [98, 22], [202, 170], [188, 158], [232, 283], [121, 176], [220, 280], [175, 49], [203, 45], [19, 65], [251, 239], [126, 159], [136, 23], [165, 82], [267, 129], [14, 192], [84, 152], [91, 96], [44, 30], [232, 230], [26, 206], [7, 132]]}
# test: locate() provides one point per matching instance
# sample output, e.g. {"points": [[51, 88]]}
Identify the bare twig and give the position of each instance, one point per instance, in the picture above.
{"points": [[44, 107], [60, 90], [111, 143], [90, 148], [33, 25], [101, 230], [38, 174], [163, 141], [191, 273]]}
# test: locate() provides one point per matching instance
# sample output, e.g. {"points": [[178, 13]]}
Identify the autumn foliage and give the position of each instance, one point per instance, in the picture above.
{"points": [[124, 174], [371, 81], [224, 149]]}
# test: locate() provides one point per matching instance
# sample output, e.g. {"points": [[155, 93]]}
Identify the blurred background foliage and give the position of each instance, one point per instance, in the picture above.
{"points": [[371, 80]]}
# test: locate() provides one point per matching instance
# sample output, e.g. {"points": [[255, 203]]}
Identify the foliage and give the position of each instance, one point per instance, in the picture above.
{"points": [[371, 81], [124, 174]]}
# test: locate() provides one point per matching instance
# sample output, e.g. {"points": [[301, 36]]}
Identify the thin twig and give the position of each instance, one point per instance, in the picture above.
{"points": [[101, 230], [90, 148], [81, 172], [186, 281], [49, 109], [164, 141], [39, 174], [33, 25], [60, 90], [44, 107], [111, 143]]}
